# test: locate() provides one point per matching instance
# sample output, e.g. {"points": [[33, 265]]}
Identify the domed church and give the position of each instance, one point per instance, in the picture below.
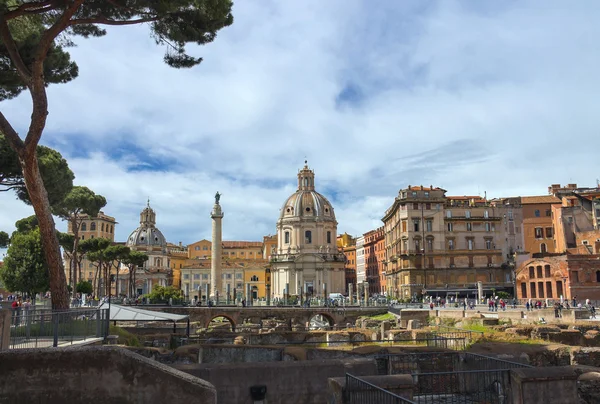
{"points": [[307, 259], [147, 238]]}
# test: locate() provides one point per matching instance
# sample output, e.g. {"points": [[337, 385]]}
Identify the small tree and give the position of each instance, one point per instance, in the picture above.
{"points": [[164, 294], [84, 287], [94, 250], [25, 268], [78, 202], [134, 260], [4, 239]]}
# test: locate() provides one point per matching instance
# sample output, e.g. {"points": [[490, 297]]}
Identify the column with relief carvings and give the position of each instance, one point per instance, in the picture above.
{"points": [[215, 263]]}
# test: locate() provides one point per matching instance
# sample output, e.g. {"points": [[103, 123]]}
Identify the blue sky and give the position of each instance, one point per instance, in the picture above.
{"points": [[474, 97]]}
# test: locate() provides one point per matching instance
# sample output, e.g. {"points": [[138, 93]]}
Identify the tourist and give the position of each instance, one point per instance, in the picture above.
{"points": [[592, 312], [527, 305], [556, 310], [243, 302]]}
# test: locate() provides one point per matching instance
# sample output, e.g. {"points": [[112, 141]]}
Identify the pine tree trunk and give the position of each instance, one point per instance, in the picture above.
{"points": [[41, 206]]}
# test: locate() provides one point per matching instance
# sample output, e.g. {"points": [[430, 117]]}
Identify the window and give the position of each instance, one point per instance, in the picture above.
{"points": [[548, 214], [205, 248], [429, 244], [238, 276], [449, 214], [597, 276], [228, 276], [549, 232], [415, 206], [287, 237], [196, 277], [547, 271], [417, 245], [429, 224], [254, 278], [186, 276], [83, 227], [532, 287], [470, 244], [543, 248], [242, 253], [205, 276], [451, 244], [111, 228], [308, 237], [524, 291], [414, 194], [537, 213], [427, 206], [404, 225], [488, 244], [539, 232], [549, 289], [102, 227], [92, 226], [450, 226], [575, 277], [469, 226], [510, 215], [468, 214], [488, 227], [531, 272], [539, 271], [486, 214], [197, 248], [416, 224], [426, 194], [328, 237]]}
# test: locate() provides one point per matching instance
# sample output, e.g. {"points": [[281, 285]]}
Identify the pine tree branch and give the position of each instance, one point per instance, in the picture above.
{"points": [[32, 8], [105, 21], [11, 135], [13, 51]]}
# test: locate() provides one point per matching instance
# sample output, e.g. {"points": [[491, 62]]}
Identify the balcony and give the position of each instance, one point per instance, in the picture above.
{"points": [[474, 218]]}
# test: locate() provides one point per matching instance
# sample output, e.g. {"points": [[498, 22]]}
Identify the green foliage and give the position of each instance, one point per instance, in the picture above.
{"points": [[164, 293], [93, 247], [383, 317], [56, 174], [174, 23], [503, 295], [84, 287], [25, 268], [125, 337], [4, 239], [66, 241], [26, 224], [135, 259], [80, 200]]}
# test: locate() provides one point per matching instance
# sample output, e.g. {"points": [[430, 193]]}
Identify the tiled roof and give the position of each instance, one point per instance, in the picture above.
{"points": [[528, 200], [465, 197]]}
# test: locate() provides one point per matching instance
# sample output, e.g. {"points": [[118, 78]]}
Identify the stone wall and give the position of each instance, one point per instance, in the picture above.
{"points": [[99, 375], [286, 382]]}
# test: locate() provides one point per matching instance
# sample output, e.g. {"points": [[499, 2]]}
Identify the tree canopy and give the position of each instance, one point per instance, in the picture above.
{"points": [[25, 268], [4, 239], [56, 174]]}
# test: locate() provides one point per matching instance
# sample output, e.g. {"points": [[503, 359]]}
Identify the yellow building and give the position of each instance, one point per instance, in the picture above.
{"points": [[246, 279], [178, 256], [269, 246], [248, 250]]}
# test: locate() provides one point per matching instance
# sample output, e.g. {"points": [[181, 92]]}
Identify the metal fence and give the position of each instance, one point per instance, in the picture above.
{"points": [[453, 377], [42, 328], [359, 391]]}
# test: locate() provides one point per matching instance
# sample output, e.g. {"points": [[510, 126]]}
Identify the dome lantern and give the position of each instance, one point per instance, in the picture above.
{"points": [[306, 178]]}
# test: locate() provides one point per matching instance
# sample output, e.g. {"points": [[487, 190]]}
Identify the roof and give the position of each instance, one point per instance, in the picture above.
{"points": [[466, 197], [530, 200], [241, 244], [127, 313]]}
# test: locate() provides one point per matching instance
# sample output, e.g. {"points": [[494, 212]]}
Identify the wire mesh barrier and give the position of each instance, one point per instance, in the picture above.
{"points": [[453, 377], [39, 328], [359, 391]]}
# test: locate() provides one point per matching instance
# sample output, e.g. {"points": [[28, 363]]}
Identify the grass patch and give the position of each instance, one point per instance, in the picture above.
{"points": [[125, 337], [478, 328], [383, 317]]}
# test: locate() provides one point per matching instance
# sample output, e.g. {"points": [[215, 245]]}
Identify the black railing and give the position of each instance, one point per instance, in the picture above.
{"points": [[39, 328], [359, 391], [453, 377]]}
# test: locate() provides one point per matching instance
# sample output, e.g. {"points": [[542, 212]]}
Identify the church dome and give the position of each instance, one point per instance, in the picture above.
{"points": [[307, 203], [147, 234]]}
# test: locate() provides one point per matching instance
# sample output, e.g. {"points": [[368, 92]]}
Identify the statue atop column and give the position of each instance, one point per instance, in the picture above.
{"points": [[217, 198]]}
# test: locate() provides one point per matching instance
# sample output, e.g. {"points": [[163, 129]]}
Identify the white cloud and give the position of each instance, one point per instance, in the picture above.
{"points": [[502, 97]]}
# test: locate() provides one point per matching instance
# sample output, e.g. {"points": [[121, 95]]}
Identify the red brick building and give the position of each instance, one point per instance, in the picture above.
{"points": [[374, 257]]}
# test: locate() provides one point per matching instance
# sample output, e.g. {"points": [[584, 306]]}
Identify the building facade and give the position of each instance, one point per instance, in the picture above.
{"points": [[374, 255], [347, 244], [442, 245], [307, 260], [537, 223], [252, 250], [361, 267], [147, 238]]}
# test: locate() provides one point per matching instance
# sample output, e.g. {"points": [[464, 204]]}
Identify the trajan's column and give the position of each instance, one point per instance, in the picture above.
{"points": [[215, 262]]}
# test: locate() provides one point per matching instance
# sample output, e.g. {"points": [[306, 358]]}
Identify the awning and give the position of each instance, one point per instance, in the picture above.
{"points": [[127, 313]]}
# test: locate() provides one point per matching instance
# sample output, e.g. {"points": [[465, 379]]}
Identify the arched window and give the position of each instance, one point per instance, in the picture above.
{"points": [[287, 237], [111, 229], [93, 226], [102, 227], [537, 213], [254, 278], [83, 227], [308, 237], [328, 237], [543, 248]]}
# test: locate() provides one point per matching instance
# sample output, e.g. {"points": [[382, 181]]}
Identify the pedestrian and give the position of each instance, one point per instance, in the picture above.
{"points": [[527, 305]]}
